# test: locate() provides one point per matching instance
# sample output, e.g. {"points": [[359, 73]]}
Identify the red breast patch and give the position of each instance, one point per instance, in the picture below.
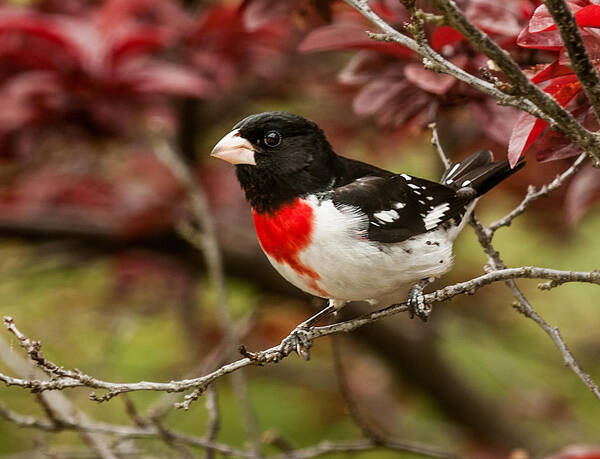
{"points": [[285, 233]]}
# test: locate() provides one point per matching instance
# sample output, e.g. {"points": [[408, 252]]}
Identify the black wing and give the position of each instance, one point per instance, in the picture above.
{"points": [[400, 206]]}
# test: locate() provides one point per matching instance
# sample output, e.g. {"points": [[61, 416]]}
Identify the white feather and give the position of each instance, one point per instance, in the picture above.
{"points": [[387, 216], [452, 171], [435, 215], [352, 268]]}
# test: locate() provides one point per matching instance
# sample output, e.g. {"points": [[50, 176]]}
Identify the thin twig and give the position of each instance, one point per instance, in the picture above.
{"points": [[435, 141], [61, 407], [528, 97], [214, 418], [355, 446], [366, 428], [525, 308], [205, 239], [563, 119], [438, 63], [533, 194], [27, 421], [151, 431], [578, 55], [70, 378]]}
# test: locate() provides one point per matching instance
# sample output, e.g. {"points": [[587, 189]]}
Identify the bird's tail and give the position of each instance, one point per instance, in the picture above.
{"points": [[479, 172]]}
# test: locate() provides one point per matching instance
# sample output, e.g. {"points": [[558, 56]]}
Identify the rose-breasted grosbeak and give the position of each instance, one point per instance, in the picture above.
{"points": [[345, 230]]}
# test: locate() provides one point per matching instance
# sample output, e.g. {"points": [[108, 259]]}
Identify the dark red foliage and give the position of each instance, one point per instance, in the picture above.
{"points": [[583, 192], [223, 50], [557, 78], [79, 74], [59, 67], [158, 279], [259, 13], [394, 86], [116, 197], [528, 128]]}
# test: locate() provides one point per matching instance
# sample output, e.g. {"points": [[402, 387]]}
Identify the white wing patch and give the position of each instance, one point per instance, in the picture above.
{"points": [[435, 215], [399, 205], [452, 171], [387, 216]]}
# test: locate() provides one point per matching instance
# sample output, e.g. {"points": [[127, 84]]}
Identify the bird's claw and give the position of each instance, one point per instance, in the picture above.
{"points": [[297, 341], [416, 304]]}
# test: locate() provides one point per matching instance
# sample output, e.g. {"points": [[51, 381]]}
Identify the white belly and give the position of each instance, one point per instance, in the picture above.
{"points": [[351, 268]]}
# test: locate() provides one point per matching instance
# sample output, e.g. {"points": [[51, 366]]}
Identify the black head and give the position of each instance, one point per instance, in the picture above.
{"points": [[279, 157]]}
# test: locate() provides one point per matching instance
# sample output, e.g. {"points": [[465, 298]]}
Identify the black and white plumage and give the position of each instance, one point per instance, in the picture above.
{"points": [[343, 229]]}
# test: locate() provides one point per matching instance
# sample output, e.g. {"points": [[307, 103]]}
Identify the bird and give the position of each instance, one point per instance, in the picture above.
{"points": [[345, 230]]}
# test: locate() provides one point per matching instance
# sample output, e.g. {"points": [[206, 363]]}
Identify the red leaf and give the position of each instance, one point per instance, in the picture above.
{"points": [[436, 83], [563, 88], [427, 80], [495, 17], [161, 78], [588, 16], [592, 45], [443, 36], [549, 40], [554, 145], [140, 40], [583, 192], [497, 121], [551, 71], [529, 128], [258, 13], [377, 94], [348, 36], [43, 27], [541, 20], [361, 68], [526, 130], [164, 14]]}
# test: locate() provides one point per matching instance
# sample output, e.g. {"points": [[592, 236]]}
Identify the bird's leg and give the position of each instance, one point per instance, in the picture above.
{"points": [[416, 302], [298, 339]]}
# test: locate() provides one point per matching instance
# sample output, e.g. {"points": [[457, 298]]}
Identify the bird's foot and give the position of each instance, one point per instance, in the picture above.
{"points": [[416, 302], [298, 341]]}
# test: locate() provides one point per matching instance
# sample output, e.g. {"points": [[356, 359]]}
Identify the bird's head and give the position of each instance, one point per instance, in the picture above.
{"points": [[278, 156]]}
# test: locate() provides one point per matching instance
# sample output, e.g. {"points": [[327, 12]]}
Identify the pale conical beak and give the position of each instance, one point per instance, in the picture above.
{"points": [[234, 149]]}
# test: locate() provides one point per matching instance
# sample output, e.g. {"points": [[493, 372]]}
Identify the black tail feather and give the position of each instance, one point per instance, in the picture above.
{"points": [[478, 171]]}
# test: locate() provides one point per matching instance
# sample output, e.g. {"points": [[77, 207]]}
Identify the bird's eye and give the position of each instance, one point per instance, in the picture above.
{"points": [[272, 138]]}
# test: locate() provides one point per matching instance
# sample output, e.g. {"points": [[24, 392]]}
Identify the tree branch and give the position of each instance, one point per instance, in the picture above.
{"points": [[435, 141], [205, 240], [150, 431], [438, 63], [528, 97], [214, 418], [525, 308], [369, 431], [328, 447], [64, 379], [578, 55], [533, 194], [568, 125]]}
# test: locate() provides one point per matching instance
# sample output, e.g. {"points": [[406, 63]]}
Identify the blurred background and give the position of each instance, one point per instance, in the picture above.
{"points": [[91, 263]]}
